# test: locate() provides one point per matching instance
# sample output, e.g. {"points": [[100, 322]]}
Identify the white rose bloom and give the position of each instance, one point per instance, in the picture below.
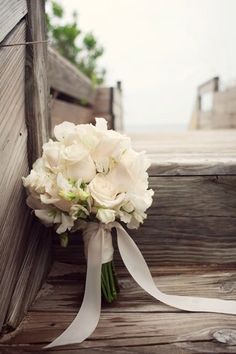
{"points": [[39, 180], [110, 148], [106, 215], [78, 163], [65, 132], [52, 155], [84, 169], [104, 192], [87, 135]]}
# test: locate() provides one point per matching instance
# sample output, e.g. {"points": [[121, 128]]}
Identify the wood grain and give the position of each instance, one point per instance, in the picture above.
{"points": [[11, 12], [191, 347], [222, 115], [103, 105], [65, 77], [33, 270], [61, 111], [36, 91], [165, 240], [63, 291], [189, 153], [194, 196], [117, 109], [146, 324], [23, 257], [13, 164]]}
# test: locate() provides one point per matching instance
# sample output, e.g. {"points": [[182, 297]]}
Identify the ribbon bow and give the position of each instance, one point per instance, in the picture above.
{"points": [[99, 249]]}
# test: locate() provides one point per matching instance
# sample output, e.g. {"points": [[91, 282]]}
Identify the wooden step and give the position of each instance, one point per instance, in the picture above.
{"points": [[189, 244], [193, 216], [135, 323]]}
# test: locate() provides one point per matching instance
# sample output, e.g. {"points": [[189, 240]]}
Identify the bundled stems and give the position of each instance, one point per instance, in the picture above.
{"points": [[109, 282]]}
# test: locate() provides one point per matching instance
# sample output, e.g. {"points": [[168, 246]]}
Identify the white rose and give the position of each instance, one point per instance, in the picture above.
{"points": [[65, 132], [78, 163], [88, 135], [106, 215], [39, 180], [104, 192], [83, 169], [109, 150], [52, 154], [130, 172]]}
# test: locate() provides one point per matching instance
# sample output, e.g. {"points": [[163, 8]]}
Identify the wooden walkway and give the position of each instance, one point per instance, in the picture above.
{"points": [[189, 242]]}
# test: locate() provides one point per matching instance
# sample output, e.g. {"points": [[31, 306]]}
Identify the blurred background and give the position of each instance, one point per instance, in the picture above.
{"points": [[175, 58]]}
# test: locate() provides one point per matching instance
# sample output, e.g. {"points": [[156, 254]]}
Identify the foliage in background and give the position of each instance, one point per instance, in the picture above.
{"points": [[81, 49]]}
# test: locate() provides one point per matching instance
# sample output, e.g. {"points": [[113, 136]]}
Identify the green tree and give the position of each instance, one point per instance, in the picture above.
{"points": [[81, 49]]}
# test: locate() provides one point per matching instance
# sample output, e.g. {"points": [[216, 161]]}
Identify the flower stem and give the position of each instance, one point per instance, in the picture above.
{"points": [[109, 282]]}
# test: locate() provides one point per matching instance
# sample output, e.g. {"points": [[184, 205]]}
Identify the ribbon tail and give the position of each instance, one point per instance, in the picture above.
{"points": [[88, 316], [139, 270]]}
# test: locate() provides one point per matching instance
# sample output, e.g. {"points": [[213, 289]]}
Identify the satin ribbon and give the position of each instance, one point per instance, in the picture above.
{"points": [[87, 319]]}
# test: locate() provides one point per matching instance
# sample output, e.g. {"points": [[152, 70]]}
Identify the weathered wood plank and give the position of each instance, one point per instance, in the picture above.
{"points": [[190, 153], [103, 105], [186, 165], [174, 240], [61, 111], [14, 164], [127, 329], [64, 288], [117, 108], [23, 258], [147, 325], [12, 114], [11, 12], [33, 271], [193, 347], [194, 196], [65, 77], [36, 91]]}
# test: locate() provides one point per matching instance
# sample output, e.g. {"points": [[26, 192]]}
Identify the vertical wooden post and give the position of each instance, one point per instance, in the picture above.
{"points": [[36, 91]]}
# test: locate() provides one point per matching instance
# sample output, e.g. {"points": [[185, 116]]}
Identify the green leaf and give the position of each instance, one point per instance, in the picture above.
{"points": [[64, 239]]}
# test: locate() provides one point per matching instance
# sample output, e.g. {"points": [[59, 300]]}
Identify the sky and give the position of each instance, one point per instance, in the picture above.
{"points": [[161, 50]]}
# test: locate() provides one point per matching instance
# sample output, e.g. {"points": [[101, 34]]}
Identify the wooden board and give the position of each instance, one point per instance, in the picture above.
{"points": [[63, 111], [117, 109], [36, 90], [63, 291], [189, 153], [13, 164], [66, 78], [24, 244], [11, 12], [140, 326], [103, 105]]}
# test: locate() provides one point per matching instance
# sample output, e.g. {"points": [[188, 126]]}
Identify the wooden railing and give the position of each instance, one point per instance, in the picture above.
{"points": [[220, 113], [75, 99], [25, 123]]}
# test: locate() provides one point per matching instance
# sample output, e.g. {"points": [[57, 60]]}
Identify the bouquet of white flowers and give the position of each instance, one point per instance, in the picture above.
{"points": [[91, 179], [91, 174]]}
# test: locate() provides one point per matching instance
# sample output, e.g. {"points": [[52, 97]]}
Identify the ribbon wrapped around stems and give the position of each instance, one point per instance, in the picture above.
{"points": [[99, 249]]}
